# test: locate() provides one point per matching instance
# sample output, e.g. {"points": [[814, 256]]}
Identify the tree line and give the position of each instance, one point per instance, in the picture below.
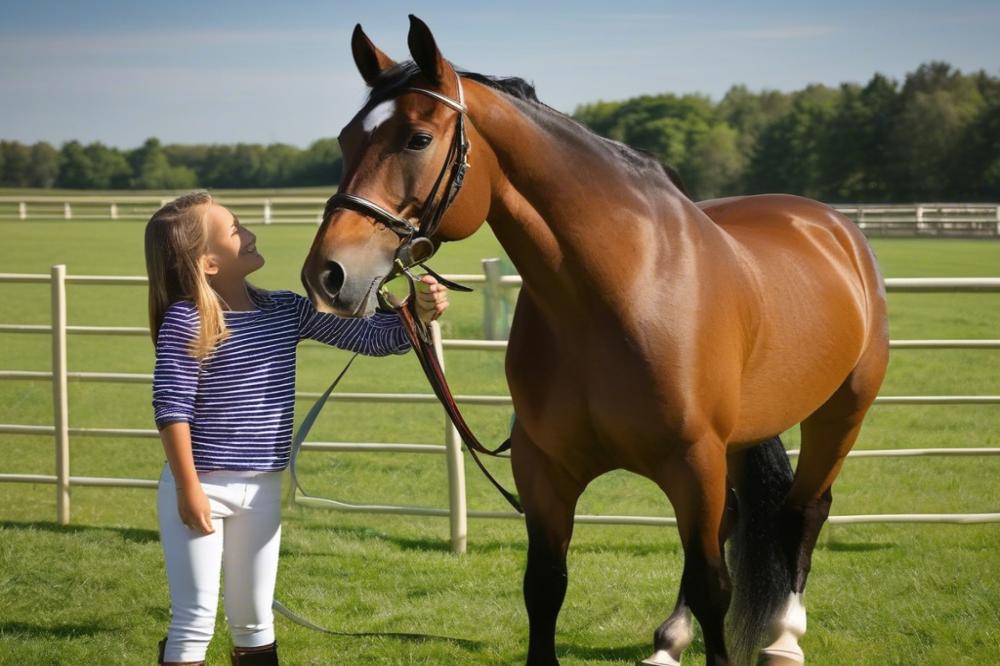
{"points": [[154, 166], [935, 136]]}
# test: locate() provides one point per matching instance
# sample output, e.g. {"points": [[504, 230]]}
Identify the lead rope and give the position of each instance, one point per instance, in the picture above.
{"points": [[420, 342], [432, 369]]}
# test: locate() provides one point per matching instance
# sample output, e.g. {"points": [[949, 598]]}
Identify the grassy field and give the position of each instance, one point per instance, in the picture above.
{"points": [[96, 591]]}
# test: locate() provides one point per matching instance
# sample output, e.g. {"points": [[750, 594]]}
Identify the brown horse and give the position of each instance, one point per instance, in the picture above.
{"points": [[669, 338]]}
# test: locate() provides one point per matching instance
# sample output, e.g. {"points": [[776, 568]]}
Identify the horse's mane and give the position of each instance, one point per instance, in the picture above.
{"points": [[400, 76]]}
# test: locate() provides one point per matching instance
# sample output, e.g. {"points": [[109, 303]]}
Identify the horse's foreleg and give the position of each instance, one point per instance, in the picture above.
{"points": [[695, 482], [673, 636], [548, 495]]}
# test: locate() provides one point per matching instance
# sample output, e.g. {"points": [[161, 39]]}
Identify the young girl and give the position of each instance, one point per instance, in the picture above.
{"points": [[223, 397]]}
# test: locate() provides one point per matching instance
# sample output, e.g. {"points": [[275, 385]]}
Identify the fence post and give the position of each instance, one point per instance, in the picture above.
{"points": [[920, 219], [458, 510], [998, 221], [267, 211], [114, 211], [491, 299], [67, 211], [22, 211], [60, 400]]}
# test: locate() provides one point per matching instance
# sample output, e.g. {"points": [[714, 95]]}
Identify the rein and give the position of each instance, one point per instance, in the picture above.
{"points": [[417, 246]]}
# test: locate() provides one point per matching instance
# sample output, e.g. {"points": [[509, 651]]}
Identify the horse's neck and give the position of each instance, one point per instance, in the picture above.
{"points": [[577, 226]]}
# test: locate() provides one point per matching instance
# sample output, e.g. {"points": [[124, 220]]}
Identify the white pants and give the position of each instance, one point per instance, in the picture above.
{"points": [[246, 515]]}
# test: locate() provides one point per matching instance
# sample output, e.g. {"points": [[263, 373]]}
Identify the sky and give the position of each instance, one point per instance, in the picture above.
{"points": [[265, 72]]}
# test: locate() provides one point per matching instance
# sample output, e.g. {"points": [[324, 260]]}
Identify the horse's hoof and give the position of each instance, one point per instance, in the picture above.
{"points": [[778, 660], [659, 658]]}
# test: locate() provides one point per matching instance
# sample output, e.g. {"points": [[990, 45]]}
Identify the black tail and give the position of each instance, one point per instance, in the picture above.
{"points": [[762, 576]]}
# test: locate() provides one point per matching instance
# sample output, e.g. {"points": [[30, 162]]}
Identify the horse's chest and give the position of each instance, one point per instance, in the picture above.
{"points": [[594, 393]]}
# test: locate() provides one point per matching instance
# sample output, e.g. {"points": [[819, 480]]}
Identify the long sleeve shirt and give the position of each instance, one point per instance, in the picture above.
{"points": [[240, 400]]}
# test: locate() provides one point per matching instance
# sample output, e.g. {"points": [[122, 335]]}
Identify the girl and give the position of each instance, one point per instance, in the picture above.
{"points": [[223, 397]]}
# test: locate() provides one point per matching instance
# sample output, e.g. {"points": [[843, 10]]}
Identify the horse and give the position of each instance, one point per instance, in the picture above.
{"points": [[669, 338]]}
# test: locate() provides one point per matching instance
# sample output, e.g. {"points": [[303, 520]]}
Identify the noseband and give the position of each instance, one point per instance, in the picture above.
{"points": [[416, 242]]}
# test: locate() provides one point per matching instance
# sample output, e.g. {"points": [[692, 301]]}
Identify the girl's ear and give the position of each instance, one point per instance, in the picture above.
{"points": [[209, 266]]}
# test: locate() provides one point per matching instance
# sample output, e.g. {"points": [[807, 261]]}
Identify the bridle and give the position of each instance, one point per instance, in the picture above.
{"points": [[417, 245], [416, 242]]}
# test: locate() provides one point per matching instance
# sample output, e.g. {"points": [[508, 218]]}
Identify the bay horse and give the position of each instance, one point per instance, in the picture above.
{"points": [[653, 334]]}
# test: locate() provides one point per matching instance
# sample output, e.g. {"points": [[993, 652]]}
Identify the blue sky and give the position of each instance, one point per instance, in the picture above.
{"points": [[217, 72]]}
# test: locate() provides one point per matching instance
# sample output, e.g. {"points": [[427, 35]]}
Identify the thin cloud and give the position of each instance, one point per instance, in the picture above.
{"points": [[777, 33], [156, 41]]}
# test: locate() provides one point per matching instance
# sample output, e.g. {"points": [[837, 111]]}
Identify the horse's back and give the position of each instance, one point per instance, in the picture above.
{"points": [[820, 302]]}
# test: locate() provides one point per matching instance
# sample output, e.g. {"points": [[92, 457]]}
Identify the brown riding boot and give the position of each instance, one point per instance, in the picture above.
{"points": [[265, 655], [163, 646]]}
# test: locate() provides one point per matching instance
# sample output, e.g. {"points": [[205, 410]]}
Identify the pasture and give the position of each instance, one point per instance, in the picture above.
{"points": [[96, 590]]}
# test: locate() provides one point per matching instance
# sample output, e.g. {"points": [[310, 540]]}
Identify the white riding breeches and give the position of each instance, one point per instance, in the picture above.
{"points": [[246, 515]]}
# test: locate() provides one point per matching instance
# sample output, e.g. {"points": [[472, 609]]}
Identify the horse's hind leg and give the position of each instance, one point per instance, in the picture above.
{"points": [[548, 495], [827, 436]]}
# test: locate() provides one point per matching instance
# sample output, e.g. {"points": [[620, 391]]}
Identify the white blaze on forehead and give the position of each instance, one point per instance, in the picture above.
{"points": [[379, 115]]}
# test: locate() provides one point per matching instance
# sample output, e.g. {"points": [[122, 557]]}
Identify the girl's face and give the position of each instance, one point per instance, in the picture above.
{"points": [[232, 248]]}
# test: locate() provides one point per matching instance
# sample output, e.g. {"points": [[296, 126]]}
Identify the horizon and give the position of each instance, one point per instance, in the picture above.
{"points": [[289, 72]]}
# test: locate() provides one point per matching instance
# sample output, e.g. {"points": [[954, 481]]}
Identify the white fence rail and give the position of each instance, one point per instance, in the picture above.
{"points": [[960, 220], [457, 511]]}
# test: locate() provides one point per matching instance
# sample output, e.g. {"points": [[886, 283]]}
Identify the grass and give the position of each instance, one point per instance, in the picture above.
{"points": [[96, 590]]}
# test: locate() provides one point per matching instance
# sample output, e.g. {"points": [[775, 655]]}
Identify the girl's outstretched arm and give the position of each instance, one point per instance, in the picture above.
{"points": [[378, 335]]}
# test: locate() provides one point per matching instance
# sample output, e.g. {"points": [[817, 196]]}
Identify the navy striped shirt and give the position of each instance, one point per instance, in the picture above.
{"points": [[240, 400]]}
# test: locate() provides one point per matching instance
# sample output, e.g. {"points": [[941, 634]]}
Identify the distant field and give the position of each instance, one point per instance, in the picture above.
{"points": [[96, 591]]}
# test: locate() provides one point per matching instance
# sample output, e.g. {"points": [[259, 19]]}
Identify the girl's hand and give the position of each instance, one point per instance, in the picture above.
{"points": [[432, 299], [194, 509]]}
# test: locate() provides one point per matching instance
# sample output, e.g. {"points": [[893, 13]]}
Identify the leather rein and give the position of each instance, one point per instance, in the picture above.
{"points": [[417, 245]]}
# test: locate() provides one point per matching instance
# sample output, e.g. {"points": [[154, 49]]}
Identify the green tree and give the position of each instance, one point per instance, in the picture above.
{"points": [[976, 171], [43, 167], [936, 106], [152, 170], [108, 167], [75, 168], [320, 164], [714, 165], [16, 160], [788, 155]]}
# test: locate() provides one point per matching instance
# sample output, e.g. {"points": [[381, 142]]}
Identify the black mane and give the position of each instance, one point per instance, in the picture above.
{"points": [[399, 76]]}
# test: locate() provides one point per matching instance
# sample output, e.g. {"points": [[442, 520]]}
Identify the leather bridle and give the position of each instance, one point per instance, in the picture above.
{"points": [[413, 241], [416, 242]]}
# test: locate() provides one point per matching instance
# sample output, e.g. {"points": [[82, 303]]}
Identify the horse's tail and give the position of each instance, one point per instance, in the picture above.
{"points": [[762, 576]]}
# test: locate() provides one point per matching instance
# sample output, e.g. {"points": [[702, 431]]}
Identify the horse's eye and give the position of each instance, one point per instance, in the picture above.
{"points": [[419, 141]]}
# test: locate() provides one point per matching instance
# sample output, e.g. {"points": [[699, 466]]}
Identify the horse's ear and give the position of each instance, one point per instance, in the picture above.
{"points": [[370, 60], [425, 51]]}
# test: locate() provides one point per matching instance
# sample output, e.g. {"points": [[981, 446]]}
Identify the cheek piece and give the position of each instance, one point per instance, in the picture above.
{"points": [[416, 242]]}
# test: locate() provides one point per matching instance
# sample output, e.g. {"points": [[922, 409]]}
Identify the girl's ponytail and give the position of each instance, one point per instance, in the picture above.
{"points": [[175, 242]]}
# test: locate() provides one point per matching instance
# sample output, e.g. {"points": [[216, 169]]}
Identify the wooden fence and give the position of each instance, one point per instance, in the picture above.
{"points": [[457, 511], [944, 220]]}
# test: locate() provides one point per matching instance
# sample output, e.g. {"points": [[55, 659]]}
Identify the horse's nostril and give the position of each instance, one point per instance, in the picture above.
{"points": [[333, 278]]}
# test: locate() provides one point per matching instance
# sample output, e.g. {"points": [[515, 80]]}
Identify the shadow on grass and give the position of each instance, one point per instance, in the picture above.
{"points": [[133, 534], [23, 629], [627, 653], [517, 545], [405, 637], [854, 546]]}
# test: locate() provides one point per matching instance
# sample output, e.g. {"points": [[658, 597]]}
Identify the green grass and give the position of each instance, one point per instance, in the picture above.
{"points": [[96, 591]]}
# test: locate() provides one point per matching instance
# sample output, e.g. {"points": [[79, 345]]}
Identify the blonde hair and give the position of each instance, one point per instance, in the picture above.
{"points": [[176, 239]]}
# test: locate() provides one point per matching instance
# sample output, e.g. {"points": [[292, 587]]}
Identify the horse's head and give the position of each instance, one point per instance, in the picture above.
{"points": [[403, 152]]}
